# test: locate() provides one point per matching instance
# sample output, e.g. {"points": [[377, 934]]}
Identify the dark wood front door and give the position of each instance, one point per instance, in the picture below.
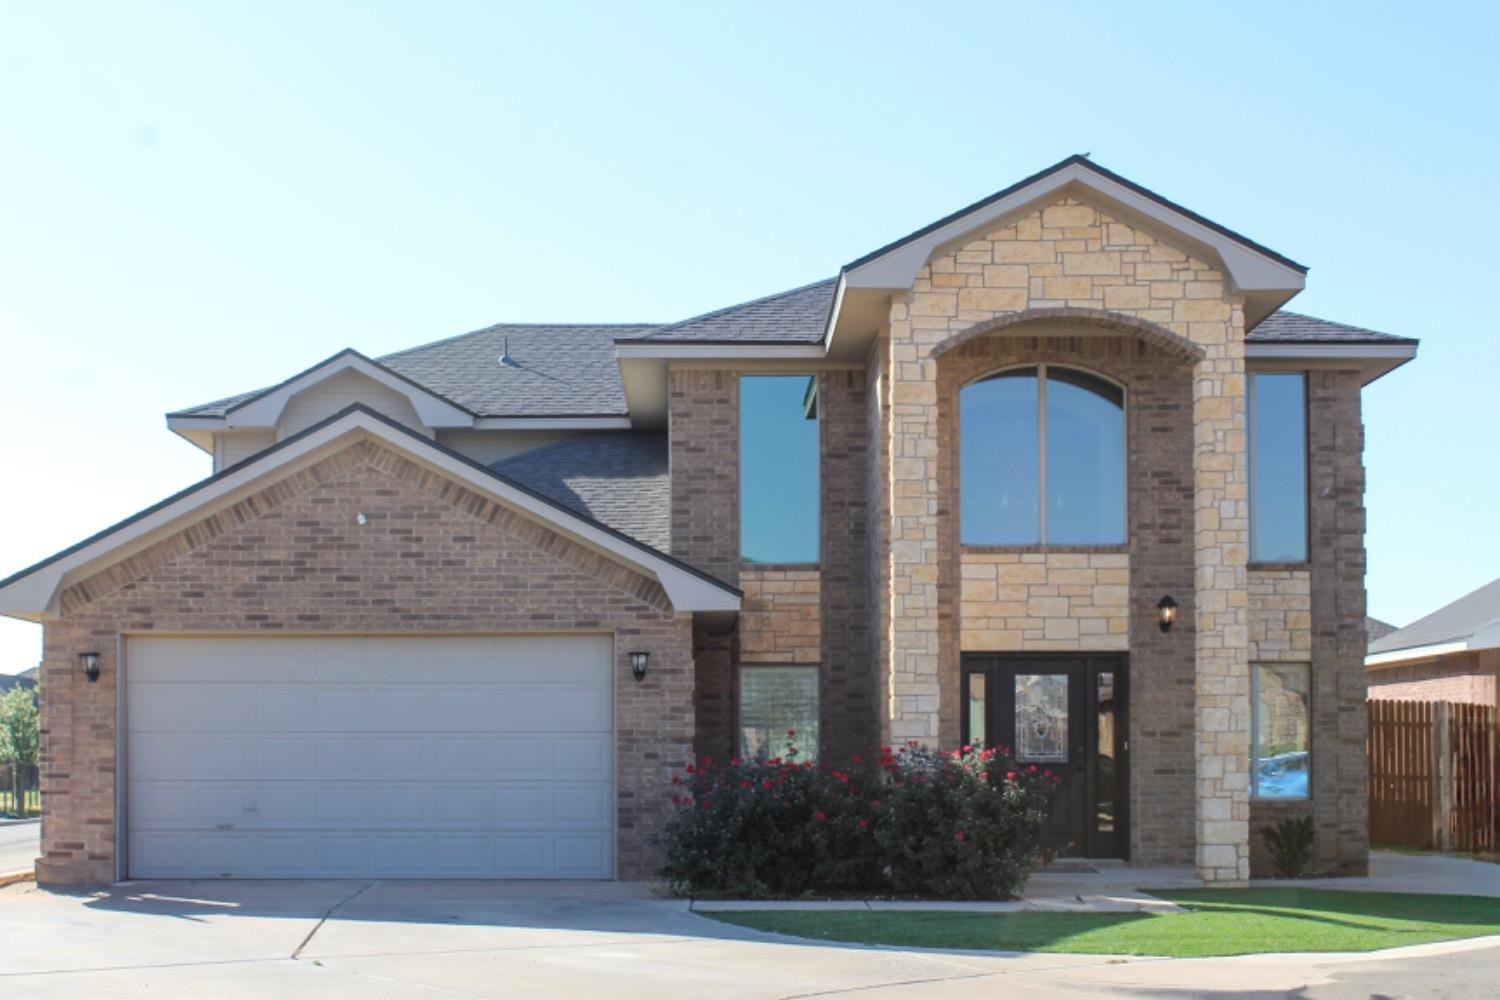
{"points": [[1063, 713]]}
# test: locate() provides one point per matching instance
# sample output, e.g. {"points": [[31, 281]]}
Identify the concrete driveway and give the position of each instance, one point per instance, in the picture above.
{"points": [[488, 939]]}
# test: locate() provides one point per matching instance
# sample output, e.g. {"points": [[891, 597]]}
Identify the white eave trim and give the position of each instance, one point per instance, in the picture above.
{"points": [[33, 596], [633, 350], [265, 410], [1381, 352], [1416, 653]]}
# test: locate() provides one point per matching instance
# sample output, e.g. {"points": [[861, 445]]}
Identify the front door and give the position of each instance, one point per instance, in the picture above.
{"points": [[1063, 713]]}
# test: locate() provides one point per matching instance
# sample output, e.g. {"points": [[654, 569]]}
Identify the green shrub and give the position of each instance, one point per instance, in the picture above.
{"points": [[960, 825], [1290, 843]]}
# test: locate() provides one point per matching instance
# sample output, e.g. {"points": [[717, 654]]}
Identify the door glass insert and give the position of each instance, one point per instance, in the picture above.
{"points": [[1042, 717], [1106, 779], [976, 704]]}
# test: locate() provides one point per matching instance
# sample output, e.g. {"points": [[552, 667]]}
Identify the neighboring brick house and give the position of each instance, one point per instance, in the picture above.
{"points": [[462, 611], [1452, 654]]}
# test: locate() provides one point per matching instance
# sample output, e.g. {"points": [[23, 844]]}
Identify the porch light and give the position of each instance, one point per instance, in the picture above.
{"points": [[90, 662], [1166, 610], [638, 661]]}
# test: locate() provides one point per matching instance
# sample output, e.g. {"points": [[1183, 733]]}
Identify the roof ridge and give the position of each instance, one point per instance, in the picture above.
{"points": [[747, 303], [531, 326]]}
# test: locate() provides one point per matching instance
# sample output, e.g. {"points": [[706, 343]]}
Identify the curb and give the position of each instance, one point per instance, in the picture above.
{"points": [[16, 878]]}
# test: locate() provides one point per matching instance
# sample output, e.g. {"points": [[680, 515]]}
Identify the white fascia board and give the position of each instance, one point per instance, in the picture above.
{"points": [[265, 411], [33, 596], [1416, 653], [551, 423], [1248, 270], [632, 350], [1337, 352]]}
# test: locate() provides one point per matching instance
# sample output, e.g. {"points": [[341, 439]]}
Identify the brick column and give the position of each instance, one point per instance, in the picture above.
{"points": [[1221, 548]]}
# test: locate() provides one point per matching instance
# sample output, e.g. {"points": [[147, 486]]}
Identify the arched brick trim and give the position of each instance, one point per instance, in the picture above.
{"points": [[1159, 336]]}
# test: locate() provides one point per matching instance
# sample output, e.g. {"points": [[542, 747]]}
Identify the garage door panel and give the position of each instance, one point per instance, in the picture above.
{"points": [[581, 759], [582, 856], [370, 757]]}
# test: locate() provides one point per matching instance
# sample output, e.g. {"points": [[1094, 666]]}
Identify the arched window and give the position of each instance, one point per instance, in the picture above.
{"points": [[1042, 459]]}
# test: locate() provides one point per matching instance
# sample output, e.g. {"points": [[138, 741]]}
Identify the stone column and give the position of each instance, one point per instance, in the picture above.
{"points": [[1221, 548], [912, 619]]}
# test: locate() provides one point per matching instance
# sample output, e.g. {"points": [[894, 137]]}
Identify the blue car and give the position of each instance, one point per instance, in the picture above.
{"points": [[1283, 776]]}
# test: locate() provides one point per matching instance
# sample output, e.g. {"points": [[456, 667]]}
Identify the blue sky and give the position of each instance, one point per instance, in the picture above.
{"points": [[202, 198]]}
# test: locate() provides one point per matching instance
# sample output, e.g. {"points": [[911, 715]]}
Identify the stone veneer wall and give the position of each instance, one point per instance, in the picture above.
{"points": [[1044, 601], [1071, 257], [1280, 615], [779, 620], [1336, 645], [433, 557]]}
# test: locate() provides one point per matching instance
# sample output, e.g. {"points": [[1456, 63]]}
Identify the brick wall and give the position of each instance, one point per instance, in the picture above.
{"points": [[703, 449], [848, 688], [1336, 645], [433, 557], [1470, 677]]}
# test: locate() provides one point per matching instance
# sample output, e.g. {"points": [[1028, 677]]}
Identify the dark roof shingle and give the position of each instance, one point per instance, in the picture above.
{"points": [[1450, 623], [795, 316], [1284, 327], [618, 478]]}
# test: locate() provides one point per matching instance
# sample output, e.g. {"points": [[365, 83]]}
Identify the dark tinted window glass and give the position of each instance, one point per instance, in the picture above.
{"points": [[1085, 460], [778, 469], [1278, 467], [999, 494]]}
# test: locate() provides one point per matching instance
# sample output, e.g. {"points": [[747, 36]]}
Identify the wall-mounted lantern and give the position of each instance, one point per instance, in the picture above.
{"points": [[1166, 611], [638, 663], [90, 664]]}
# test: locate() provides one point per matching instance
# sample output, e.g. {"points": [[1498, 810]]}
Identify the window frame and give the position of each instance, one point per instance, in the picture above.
{"points": [[805, 753], [815, 389], [1250, 449], [1255, 670], [1041, 368]]}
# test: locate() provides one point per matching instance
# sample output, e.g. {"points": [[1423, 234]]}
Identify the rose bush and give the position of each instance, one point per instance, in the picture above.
{"points": [[965, 824]]}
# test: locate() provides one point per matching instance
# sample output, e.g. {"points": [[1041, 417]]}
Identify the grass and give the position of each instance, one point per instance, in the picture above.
{"points": [[1219, 922]]}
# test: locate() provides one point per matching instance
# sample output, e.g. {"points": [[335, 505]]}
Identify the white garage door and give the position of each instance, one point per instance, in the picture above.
{"points": [[370, 757]]}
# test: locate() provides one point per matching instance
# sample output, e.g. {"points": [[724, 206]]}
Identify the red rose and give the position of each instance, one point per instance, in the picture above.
{"points": [[820, 816], [959, 836]]}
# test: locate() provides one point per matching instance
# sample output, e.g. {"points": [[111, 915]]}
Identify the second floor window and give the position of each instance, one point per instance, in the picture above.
{"points": [[779, 469], [1278, 467], [1042, 459]]}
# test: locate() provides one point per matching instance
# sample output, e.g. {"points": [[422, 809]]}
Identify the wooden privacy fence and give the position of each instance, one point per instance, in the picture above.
{"points": [[1433, 768]]}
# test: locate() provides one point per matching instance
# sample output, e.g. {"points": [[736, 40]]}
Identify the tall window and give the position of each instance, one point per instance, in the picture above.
{"points": [[779, 469], [1278, 467], [1281, 706], [1042, 459]]}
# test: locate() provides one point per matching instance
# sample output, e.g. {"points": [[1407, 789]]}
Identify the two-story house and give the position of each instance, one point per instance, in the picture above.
{"points": [[1057, 472]]}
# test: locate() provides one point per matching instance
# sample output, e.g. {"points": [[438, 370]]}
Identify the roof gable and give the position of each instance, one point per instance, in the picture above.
{"points": [[32, 593], [1471, 622]]}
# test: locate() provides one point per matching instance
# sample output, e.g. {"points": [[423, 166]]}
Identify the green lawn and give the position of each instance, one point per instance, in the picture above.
{"points": [[1219, 922]]}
